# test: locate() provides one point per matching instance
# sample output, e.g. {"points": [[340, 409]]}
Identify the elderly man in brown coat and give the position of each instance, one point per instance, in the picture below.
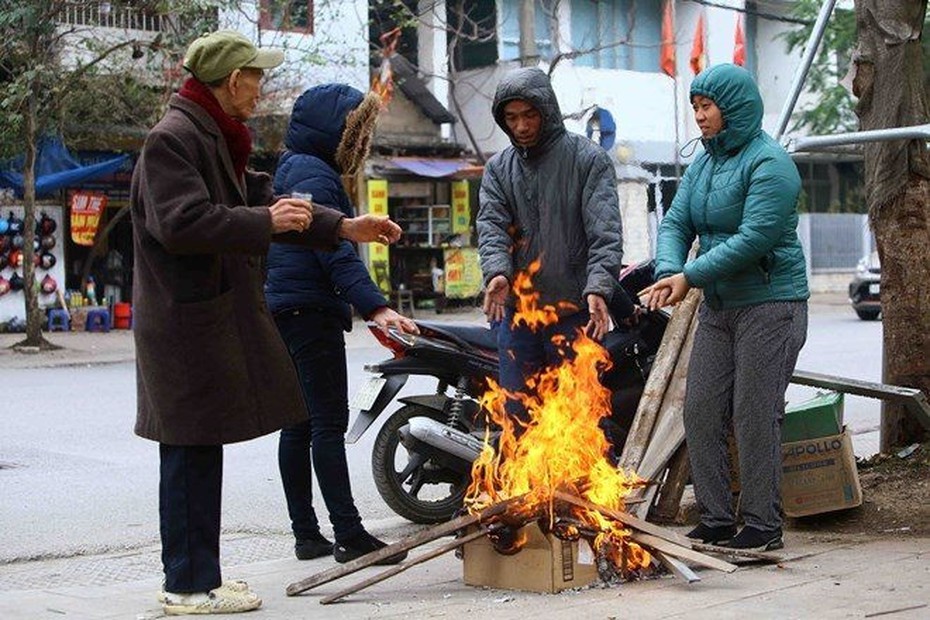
{"points": [[211, 367]]}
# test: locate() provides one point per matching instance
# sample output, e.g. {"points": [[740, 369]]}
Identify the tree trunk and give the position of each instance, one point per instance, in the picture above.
{"points": [[30, 291], [890, 87], [529, 56]]}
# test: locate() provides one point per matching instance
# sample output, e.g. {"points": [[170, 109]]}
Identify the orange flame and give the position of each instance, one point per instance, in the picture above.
{"points": [[560, 445]]}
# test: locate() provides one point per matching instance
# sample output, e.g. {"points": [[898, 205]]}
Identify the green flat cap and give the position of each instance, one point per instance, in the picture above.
{"points": [[213, 56]]}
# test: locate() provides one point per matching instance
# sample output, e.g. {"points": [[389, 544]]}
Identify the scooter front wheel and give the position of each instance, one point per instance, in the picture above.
{"points": [[412, 484]]}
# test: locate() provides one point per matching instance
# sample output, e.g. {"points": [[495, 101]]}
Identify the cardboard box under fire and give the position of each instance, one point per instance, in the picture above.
{"points": [[544, 564]]}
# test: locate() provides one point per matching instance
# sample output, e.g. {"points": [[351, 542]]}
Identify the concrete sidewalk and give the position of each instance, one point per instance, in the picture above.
{"points": [[822, 577]]}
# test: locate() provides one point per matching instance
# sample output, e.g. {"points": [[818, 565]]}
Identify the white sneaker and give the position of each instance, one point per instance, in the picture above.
{"points": [[229, 598], [233, 584]]}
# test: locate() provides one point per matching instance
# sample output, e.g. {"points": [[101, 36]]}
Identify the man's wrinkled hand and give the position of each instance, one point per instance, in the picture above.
{"points": [[495, 296], [290, 215], [369, 228]]}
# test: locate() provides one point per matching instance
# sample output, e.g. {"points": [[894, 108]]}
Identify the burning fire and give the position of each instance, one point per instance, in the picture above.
{"points": [[559, 447]]}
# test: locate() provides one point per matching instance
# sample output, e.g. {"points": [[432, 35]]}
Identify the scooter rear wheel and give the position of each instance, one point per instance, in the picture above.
{"points": [[414, 486]]}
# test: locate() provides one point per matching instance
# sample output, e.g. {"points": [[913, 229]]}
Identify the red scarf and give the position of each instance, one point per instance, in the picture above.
{"points": [[238, 138]]}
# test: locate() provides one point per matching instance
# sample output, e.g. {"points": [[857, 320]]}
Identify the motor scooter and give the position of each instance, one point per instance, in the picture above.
{"points": [[422, 455]]}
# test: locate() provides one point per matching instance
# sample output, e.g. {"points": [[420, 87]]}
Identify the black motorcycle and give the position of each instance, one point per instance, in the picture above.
{"points": [[422, 456]]}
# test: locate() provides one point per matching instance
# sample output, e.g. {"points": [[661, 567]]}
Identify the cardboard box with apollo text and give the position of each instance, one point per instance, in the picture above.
{"points": [[544, 564], [819, 475]]}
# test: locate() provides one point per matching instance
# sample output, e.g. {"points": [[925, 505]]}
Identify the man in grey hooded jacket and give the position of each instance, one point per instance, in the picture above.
{"points": [[550, 197]]}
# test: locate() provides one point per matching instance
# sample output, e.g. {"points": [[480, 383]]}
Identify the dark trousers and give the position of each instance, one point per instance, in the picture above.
{"points": [[189, 497], [741, 362], [524, 352], [316, 343]]}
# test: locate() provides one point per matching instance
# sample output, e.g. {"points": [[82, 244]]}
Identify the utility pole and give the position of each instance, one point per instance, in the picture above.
{"points": [[529, 56]]}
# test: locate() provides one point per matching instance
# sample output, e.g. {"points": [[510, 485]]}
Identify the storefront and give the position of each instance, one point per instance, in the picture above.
{"points": [[433, 200]]}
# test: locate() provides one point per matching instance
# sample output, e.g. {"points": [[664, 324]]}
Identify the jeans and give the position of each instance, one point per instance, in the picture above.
{"points": [[524, 352], [189, 496], [316, 343]]}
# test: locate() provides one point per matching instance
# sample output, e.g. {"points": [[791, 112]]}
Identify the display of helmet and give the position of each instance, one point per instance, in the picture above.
{"points": [[46, 225], [15, 225], [4, 261], [47, 260], [4, 286], [4, 226], [16, 258], [35, 244], [18, 241], [5, 242], [16, 282], [47, 242], [49, 285]]}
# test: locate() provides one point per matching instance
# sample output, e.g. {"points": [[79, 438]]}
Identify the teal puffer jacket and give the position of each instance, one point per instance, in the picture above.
{"points": [[740, 198]]}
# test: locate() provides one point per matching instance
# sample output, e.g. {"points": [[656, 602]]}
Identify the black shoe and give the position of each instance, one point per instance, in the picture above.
{"points": [[313, 547], [363, 544], [756, 540], [719, 535]]}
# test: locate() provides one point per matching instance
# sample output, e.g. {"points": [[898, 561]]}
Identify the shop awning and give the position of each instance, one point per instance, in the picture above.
{"points": [[437, 168], [55, 169]]}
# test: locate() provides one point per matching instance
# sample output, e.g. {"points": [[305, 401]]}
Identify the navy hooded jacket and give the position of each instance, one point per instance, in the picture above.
{"points": [[301, 278]]}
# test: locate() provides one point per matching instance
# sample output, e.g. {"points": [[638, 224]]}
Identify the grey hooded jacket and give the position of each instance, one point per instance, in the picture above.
{"points": [[555, 201]]}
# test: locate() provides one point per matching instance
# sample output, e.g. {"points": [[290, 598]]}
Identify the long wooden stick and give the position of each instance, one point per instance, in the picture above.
{"points": [[625, 518], [739, 553], [677, 567], [657, 381], [684, 553], [410, 542], [394, 570]]}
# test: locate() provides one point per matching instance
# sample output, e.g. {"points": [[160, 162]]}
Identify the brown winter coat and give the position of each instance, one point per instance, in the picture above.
{"points": [[211, 367]]}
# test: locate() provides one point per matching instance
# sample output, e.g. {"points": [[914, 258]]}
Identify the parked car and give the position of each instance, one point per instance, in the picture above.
{"points": [[864, 288]]}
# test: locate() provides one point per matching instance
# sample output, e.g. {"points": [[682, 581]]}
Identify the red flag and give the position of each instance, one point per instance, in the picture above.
{"points": [[739, 48], [667, 53], [698, 53]]}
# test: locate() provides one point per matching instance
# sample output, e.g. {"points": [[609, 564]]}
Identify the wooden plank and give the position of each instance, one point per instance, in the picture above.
{"points": [[671, 490], [408, 543], [625, 518], [677, 567], [762, 556], [681, 552], [657, 382], [394, 570], [914, 399], [669, 430]]}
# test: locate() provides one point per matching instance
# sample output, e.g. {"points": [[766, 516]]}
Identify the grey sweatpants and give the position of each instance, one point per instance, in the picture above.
{"points": [[741, 363]]}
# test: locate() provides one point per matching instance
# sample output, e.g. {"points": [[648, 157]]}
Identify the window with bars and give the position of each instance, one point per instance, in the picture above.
{"points": [[286, 15]]}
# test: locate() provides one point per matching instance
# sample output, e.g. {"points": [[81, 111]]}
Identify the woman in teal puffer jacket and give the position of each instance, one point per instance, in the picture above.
{"points": [[739, 198]]}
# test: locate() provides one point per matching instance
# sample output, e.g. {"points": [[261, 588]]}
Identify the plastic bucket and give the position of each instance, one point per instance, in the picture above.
{"points": [[122, 315]]}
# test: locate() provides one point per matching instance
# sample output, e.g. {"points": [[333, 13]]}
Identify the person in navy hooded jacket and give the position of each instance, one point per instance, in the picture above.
{"points": [[309, 294]]}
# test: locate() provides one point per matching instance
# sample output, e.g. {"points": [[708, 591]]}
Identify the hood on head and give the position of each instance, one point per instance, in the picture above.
{"points": [[533, 86], [319, 118], [734, 91]]}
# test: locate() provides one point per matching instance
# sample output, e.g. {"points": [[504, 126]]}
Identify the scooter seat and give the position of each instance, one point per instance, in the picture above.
{"points": [[474, 335]]}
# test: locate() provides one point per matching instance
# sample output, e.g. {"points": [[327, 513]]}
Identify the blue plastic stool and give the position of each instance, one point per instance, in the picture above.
{"points": [[98, 320], [58, 320]]}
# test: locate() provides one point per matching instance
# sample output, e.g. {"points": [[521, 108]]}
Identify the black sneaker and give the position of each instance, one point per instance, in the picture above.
{"points": [[363, 544], [708, 535], [755, 539], [313, 547]]}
